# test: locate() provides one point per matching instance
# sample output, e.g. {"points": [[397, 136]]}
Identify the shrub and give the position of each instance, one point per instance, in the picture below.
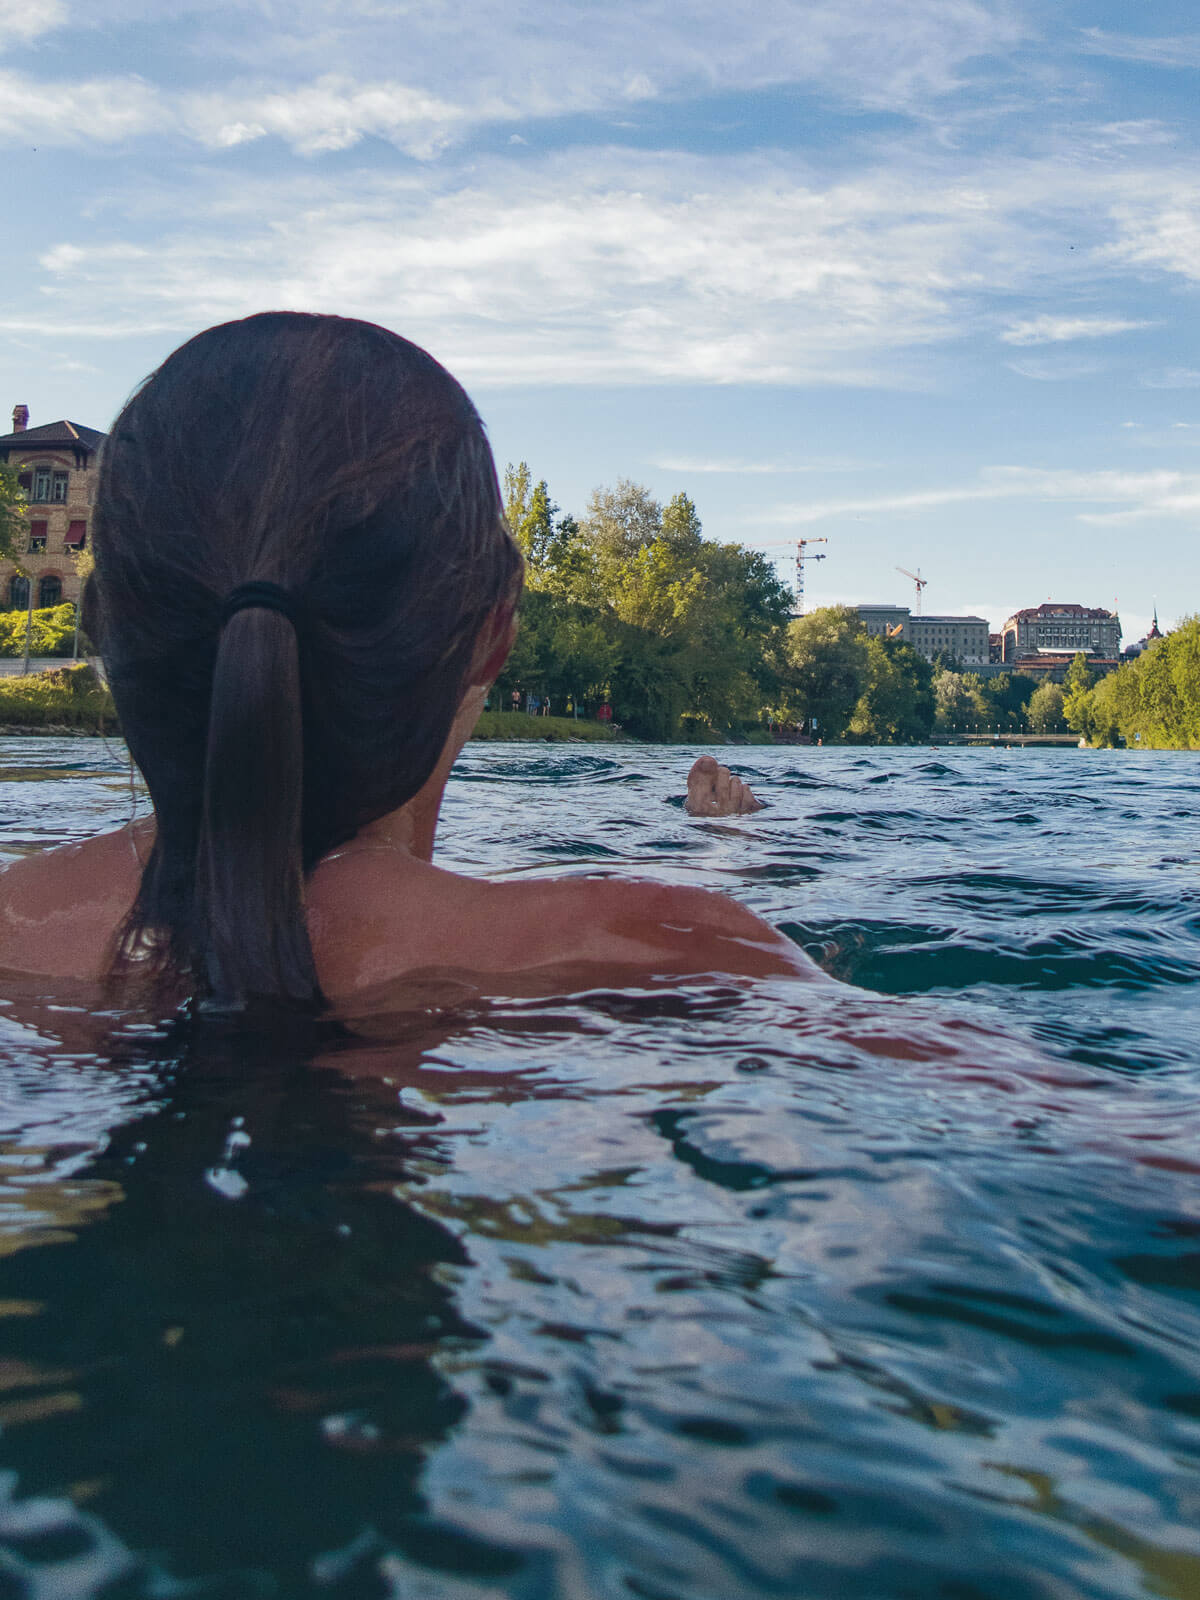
{"points": [[66, 697]]}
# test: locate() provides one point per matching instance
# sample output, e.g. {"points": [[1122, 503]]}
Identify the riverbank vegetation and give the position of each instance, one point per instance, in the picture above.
{"points": [[690, 640], [1151, 703], [631, 606], [71, 698], [52, 632], [517, 725]]}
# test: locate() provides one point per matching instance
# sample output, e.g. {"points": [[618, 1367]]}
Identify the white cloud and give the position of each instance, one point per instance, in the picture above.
{"points": [[605, 265], [1056, 369], [1172, 378], [1178, 50], [325, 74], [332, 113], [1138, 495], [1057, 330], [1163, 229], [741, 467], [22, 22], [598, 267], [99, 110]]}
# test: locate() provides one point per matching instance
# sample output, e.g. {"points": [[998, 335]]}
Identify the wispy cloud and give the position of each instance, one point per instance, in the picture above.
{"points": [[1180, 50], [21, 22], [99, 110], [1058, 330], [1172, 378], [606, 265], [740, 467], [297, 72], [1161, 229], [332, 113], [1137, 495], [1056, 369], [600, 267]]}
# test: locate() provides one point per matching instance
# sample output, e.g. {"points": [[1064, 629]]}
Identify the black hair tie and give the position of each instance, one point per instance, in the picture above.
{"points": [[260, 596]]}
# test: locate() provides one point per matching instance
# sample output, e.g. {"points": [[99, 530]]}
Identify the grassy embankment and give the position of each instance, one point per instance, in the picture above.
{"points": [[516, 725], [71, 699], [68, 699]]}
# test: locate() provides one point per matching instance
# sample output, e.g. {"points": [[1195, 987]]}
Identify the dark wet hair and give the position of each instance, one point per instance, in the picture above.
{"points": [[341, 462]]}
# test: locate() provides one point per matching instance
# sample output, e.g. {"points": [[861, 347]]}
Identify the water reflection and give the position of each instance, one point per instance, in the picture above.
{"points": [[700, 1291]]}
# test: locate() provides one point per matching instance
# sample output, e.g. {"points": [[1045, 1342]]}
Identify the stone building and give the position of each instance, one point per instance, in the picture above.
{"points": [[1045, 639], [56, 464], [884, 621], [964, 638]]}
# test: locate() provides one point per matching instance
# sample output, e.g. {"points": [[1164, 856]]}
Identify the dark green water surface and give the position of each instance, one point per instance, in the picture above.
{"points": [[699, 1292]]}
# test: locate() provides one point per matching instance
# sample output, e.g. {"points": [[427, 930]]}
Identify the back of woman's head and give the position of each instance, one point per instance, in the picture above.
{"points": [[342, 464]]}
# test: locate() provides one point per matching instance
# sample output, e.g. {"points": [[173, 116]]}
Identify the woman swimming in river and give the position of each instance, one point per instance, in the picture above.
{"points": [[304, 589]]}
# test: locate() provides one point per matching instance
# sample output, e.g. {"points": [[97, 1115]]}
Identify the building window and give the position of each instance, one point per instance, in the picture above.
{"points": [[42, 483], [37, 536], [76, 536], [59, 488], [18, 593], [50, 591]]}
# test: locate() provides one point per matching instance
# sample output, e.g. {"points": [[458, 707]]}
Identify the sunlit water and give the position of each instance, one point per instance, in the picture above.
{"points": [[709, 1290]]}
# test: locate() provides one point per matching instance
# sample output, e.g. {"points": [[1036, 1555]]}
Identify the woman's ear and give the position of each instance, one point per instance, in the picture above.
{"points": [[495, 642]]}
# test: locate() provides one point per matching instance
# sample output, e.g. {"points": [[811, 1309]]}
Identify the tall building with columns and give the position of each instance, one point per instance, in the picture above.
{"points": [[56, 464]]}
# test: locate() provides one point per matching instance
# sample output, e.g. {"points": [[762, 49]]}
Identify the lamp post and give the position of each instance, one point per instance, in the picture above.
{"points": [[28, 623]]}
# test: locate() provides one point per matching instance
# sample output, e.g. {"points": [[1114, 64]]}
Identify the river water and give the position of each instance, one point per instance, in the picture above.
{"points": [[702, 1291]]}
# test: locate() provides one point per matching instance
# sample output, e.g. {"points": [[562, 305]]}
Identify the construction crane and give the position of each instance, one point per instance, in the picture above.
{"points": [[920, 583], [801, 556]]}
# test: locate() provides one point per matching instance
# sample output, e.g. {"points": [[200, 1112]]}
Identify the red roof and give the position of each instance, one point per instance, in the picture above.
{"points": [[1053, 609]]}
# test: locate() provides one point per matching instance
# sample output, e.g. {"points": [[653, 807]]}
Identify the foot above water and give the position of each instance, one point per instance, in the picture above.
{"points": [[713, 791]]}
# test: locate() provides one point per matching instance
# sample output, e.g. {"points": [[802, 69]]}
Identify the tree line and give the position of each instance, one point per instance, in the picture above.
{"points": [[630, 605], [686, 638], [1152, 701]]}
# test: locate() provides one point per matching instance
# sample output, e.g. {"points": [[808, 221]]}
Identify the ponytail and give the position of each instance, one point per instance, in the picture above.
{"points": [[346, 464], [249, 919]]}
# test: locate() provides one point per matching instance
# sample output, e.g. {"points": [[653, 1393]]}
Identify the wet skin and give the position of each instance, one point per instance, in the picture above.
{"points": [[380, 910]]}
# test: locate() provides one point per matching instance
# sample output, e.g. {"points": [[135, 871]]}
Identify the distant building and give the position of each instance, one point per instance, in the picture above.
{"points": [[56, 464], [1045, 639], [1132, 651], [886, 622], [964, 638]]}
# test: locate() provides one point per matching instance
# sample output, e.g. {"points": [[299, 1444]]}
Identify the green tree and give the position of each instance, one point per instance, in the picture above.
{"points": [[621, 521], [1045, 709], [897, 703], [1153, 701], [14, 530], [518, 485], [50, 631], [955, 706], [680, 527], [827, 662]]}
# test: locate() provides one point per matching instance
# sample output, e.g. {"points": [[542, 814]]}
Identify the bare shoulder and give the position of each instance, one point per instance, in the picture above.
{"points": [[676, 928], [60, 909], [376, 919]]}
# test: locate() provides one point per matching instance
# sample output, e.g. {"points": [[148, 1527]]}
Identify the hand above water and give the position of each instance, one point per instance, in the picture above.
{"points": [[713, 791]]}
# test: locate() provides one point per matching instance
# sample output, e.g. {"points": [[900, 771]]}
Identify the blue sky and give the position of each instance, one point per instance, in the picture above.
{"points": [[917, 276]]}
